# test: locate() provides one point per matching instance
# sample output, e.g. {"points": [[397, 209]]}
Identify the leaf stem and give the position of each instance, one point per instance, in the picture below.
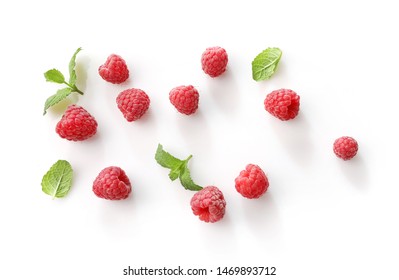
{"points": [[68, 84], [77, 90], [189, 157], [74, 88]]}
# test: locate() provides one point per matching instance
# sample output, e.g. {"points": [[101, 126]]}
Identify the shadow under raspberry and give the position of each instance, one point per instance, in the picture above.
{"points": [[294, 135], [225, 92], [262, 217], [355, 170]]}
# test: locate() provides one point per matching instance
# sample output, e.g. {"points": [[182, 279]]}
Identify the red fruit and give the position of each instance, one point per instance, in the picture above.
{"points": [[185, 99], [76, 124], [214, 61], [252, 182], [345, 147], [208, 204], [112, 183], [283, 104], [114, 70], [133, 103]]}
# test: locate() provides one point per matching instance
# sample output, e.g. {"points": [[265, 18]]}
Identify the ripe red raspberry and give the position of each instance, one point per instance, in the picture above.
{"points": [[252, 182], [133, 103], [76, 124], [214, 61], [208, 204], [114, 70], [112, 183], [283, 104], [345, 147], [185, 99]]}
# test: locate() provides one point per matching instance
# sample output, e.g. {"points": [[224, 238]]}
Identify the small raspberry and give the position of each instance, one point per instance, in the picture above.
{"points": [[133, 103], [185, 99], [252, 182], [114, 70], [214, 61], [112, 183], [76, 124], [283, 104], [208, 204], [345, 147]]}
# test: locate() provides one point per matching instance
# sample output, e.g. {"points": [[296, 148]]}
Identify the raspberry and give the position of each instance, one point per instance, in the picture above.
{"points": [[214, 61], [345, 147], [133, 103], [252, 182], [114, 70], [185, 99], [76, 124], [208, 204], [283, 104], [112, 183]]}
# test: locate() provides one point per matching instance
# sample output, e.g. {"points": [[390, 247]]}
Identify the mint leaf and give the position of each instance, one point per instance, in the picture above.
{"points": [[58, 180], [54, 99], [186, 181], [265, 64], [72, 64], [174, 173], [178, 168], [167, 160], [54, 76]]}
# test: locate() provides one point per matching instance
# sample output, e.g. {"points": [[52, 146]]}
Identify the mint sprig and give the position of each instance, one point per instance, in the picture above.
{"points": [[55, 76], [58, 180], [178, 168], [265, 64]]}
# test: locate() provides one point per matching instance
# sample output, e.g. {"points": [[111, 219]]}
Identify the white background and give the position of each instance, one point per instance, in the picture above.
{"points": [[322, 218]]}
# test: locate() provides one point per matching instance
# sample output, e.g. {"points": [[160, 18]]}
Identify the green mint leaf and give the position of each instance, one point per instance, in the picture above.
{"points": [[58, 180], [186, 181], [75, 89], [54, 76], [72, 64], [167, 160], [178, 168], [54, 99], [265, 64], [175, 172]]}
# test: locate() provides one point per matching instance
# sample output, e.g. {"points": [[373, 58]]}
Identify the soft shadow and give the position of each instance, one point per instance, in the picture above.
{"points": [[295, 136], [355, 171], [219, 238], [224, 90], [280, 77], [147, 119], [195, 129], [143, 128], [59, 109], [81, 67], [262, 216], [115, 215], [95, 145]]}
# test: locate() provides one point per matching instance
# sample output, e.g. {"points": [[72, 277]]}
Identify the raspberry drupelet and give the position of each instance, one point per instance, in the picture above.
{"points": [[209, 204], [345, 147], [114, 70], [185, 99], [214, 61], [282, 104], [112, 183], [76, 124], [252, 182], [133, 103]]}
